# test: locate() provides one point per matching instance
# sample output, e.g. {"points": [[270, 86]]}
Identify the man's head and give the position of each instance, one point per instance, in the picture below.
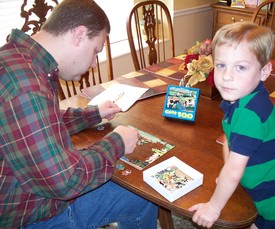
{"points": [[70, 14], [74, 34], [259, 39]]}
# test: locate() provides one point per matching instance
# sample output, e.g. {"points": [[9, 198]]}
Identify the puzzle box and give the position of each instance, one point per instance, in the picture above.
{"points": [[173, 178]]}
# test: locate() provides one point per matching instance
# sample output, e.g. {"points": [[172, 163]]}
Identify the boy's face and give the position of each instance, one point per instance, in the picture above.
{"points": [[237, 71]]}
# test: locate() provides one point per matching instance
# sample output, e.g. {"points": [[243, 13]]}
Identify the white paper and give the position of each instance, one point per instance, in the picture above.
{"points": [[123, 95]]}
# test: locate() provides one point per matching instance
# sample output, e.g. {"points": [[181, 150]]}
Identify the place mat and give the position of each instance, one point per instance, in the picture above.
{"points": [[155, 77], [142, 79]]}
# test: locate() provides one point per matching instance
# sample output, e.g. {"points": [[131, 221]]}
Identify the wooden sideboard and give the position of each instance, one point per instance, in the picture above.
{"points": [[223, 14]]}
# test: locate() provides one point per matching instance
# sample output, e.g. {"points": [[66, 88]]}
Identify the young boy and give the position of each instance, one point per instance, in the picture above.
{"points": [[241, 54]]}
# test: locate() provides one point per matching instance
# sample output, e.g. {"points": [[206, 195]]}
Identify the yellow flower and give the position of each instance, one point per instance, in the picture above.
{"points": [[194, 49], [205, 63], [198, 70]]}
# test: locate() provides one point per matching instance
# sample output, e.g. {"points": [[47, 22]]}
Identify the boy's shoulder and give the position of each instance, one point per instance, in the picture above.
{"points": [[259, 102]]}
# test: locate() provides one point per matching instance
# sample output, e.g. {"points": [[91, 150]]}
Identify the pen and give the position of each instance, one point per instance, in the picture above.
{"points": [[118, 97]]}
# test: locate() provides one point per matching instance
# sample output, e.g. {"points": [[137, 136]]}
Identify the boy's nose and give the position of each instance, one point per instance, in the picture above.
{"points": [[227, 74]]}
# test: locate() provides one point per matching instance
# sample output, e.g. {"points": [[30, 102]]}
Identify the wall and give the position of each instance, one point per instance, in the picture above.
{"points": [[183, 4], [191, 25]]}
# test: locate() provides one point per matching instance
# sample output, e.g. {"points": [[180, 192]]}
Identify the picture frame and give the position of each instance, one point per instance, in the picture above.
{"points": [[251, 3], [173, 178]]}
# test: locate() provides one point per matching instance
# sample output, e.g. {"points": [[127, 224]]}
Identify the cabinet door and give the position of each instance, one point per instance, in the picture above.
{"points": [[224, 17], [225, 14]]}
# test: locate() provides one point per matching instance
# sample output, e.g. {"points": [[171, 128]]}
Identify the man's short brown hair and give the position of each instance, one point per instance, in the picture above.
{"points": [[70, 14]]}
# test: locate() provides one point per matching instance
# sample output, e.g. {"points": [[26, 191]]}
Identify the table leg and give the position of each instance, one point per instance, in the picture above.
{"points": [[165, 218]]}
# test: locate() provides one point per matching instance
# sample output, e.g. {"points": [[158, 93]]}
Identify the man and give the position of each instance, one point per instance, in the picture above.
{"points": [[44, 181]]}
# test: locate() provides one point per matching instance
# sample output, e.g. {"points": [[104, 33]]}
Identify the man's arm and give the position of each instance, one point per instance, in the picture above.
{"points": [[78, 119], [37, 146]]}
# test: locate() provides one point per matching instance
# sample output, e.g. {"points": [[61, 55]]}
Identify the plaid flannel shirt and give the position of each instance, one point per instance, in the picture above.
{"points": [[40, 171]]}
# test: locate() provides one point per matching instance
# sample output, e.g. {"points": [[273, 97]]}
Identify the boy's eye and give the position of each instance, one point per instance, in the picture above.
{"points": [[220, 65], [241, 68]]}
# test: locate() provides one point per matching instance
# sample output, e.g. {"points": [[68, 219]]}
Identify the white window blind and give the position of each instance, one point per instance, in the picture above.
{"points": [[9, 17], [116, 11]]}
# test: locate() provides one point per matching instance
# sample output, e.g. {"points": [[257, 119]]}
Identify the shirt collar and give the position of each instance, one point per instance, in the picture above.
{"points": [[38, 53], [228, 107]]}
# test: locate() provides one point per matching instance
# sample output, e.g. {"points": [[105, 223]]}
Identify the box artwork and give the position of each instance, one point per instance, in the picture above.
{"points": [[181, 102]]}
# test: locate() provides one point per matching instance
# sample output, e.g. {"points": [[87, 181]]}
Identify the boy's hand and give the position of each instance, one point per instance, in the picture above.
{"points": [[108, 110], [205, 214]]}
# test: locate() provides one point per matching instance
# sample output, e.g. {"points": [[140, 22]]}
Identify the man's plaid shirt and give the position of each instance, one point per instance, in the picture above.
{"points": [[40, 171]]}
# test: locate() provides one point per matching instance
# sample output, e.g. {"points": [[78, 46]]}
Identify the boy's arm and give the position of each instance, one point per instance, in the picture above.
{"points": [[225, 149], [207, 213]]}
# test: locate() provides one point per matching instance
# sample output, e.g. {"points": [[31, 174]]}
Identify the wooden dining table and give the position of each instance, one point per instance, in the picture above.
{"points": [[195, 144]]}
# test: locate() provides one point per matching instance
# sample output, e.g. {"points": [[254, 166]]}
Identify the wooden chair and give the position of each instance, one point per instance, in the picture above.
{"points": [[264, 15], [149, 27], [35, 13]]}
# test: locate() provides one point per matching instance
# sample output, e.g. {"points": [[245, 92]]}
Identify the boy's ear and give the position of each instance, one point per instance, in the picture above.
{"points": [[265, 71], [79, 34]]}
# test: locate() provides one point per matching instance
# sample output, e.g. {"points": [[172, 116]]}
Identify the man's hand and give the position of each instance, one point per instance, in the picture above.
{"points": [[129, 136], [108, 110]]}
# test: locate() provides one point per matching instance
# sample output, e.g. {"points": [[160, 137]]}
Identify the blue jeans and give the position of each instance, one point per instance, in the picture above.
{"points": [[107, 204]]}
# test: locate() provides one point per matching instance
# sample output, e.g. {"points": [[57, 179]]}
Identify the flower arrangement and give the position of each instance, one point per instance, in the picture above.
{"points": [[199, 63]]}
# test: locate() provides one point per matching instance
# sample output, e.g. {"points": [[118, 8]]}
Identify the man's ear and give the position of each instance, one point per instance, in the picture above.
{"points": [[265, 71], [79, 34]]}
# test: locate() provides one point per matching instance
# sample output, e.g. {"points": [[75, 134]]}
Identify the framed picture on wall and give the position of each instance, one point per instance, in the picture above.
{"points": [[251, 3]]}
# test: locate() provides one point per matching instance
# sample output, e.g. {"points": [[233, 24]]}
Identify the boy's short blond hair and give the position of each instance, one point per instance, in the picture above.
{"points": [[259, 39]]}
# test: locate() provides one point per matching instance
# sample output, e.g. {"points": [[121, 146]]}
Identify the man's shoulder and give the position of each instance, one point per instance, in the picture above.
{"points": [[18, 73]]}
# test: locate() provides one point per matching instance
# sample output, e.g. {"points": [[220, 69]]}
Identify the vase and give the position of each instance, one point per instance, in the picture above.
{"points": [[207, 90]]}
